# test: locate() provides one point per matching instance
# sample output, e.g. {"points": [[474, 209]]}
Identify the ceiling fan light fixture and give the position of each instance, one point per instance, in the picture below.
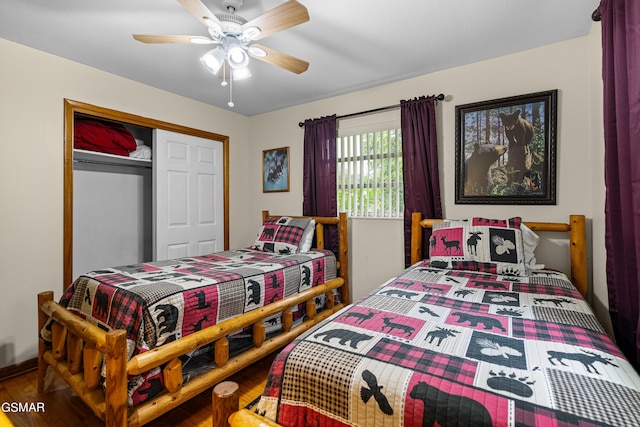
{"points": [[213, 60], [237, 57], [241, 73]]}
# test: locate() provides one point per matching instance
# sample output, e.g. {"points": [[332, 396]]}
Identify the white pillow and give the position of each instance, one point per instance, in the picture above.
{"points": [[530, 240], [307, 237]]}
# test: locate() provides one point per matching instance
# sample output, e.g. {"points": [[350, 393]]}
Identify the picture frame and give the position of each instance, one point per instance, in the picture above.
{"points": [[275, 170], [506, 150]]}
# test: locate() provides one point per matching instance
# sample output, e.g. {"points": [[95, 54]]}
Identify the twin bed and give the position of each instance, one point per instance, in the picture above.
{"points": [[136, 341], [478, 334]]}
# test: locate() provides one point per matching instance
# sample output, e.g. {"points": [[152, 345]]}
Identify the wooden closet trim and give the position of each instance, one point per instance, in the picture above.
{"points": [[70, 109]]}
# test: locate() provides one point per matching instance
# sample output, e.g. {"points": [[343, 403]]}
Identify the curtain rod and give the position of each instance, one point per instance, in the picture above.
{"points": [[596, 16], [375, 110]]}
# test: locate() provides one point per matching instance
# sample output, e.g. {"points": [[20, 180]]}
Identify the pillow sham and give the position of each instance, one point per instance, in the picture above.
{"points": [[281, 234], [487, 245]]}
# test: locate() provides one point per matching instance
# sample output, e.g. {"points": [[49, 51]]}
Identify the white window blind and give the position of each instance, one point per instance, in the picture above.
{"points": [[369, 170]]}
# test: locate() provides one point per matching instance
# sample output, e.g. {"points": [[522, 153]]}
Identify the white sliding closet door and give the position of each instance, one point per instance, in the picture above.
{"points": [[188, 195]]}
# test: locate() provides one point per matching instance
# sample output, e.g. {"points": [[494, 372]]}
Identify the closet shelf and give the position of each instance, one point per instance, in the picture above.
{"points": [[106, 158]]}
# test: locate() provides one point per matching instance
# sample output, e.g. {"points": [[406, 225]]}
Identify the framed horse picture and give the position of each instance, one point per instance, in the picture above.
{"points": [[506, 150]]}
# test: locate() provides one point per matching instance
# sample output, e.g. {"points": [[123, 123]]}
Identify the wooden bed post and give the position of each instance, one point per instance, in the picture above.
{"points": [[577, 240], [225, 401], [42, 347], [116, 380], [416, 237], [343, 249]]}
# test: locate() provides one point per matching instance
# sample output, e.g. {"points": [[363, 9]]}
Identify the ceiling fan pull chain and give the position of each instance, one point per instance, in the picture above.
{"points": [[224, 75], [230, 103]]}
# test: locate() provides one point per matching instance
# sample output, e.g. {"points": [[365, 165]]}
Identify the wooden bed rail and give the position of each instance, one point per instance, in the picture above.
{"points": [[577, 243], [163, 354], [77, 351]]}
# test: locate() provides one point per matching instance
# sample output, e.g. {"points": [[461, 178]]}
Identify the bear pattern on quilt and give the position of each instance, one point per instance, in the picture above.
{"points": [[160, 302], [454, 347]]}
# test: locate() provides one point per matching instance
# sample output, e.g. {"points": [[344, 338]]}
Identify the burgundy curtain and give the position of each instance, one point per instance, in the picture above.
{"points": [[621, 78], [420, 165], [319, 173]]}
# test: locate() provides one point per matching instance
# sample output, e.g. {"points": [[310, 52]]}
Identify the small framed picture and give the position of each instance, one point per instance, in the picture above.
{"points": [[506, 150], [275, 170]]}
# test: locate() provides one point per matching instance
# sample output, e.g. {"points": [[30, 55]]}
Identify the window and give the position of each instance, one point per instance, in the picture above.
{"points": [[369, 170]]}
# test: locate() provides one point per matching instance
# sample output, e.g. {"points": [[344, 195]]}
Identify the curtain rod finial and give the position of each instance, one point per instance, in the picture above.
{"points": [[596, 16]]}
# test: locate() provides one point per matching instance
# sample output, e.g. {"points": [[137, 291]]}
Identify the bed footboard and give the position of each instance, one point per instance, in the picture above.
{"points": [[76, 354]]}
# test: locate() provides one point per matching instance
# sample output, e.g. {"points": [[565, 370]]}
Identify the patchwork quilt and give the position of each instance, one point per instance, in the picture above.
{"points": [[159, 302], [440, 347]]}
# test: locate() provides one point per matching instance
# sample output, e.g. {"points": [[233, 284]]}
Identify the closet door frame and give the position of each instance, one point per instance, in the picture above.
{"points": [[71, 108]]}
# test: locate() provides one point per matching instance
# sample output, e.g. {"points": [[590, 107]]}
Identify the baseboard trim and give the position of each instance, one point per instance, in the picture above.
{"points": [[18, 369]]}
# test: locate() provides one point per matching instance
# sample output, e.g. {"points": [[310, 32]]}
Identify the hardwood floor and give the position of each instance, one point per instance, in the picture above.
{"points": [[62, 408]]}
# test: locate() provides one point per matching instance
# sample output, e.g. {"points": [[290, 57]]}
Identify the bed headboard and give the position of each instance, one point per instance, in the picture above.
{"points": [[576, 227], [342, 256]]}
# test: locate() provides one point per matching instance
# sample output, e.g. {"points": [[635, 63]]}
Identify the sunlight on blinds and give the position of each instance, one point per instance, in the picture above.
{"points": [[369, 174]]}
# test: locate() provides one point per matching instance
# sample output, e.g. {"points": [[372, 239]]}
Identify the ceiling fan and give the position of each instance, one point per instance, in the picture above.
{"points": [[235, 37]]}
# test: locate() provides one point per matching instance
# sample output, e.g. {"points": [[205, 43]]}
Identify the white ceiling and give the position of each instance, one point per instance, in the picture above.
{"points": [[350, 44]]}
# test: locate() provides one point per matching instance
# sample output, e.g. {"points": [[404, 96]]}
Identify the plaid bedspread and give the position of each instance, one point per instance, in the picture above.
{"points": [[159, 302], [456, 348]]}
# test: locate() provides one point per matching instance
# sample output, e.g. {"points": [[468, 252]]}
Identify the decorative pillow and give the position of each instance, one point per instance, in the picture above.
{"points": [[488, 245], [281, 234], [307, 237]]}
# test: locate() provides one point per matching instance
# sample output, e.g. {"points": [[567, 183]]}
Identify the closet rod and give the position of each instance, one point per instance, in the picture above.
{"points": [[97, 162], [375, 110]]}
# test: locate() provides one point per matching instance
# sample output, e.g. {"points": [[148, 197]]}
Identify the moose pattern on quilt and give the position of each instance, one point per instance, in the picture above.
{"points": [[159, 302], [456, 348]]}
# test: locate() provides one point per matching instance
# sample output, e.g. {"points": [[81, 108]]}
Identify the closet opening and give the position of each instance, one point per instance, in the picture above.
{"points": [[111, 206]]}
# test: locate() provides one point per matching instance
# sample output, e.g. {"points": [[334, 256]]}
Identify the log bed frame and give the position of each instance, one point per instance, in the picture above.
{"points": [[78, 347], [576, 227]]}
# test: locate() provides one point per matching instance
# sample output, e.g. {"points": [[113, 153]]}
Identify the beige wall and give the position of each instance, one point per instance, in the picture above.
{"points": [[33, 85], [572, 67]]}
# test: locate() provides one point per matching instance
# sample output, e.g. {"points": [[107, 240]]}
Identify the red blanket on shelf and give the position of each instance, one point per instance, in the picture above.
{"points": [[112, 138]]}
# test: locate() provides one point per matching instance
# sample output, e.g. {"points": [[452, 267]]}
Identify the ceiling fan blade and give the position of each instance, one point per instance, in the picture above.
{"points": [[280, 18], [282, 60], [201, 12], [148, 38]]}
